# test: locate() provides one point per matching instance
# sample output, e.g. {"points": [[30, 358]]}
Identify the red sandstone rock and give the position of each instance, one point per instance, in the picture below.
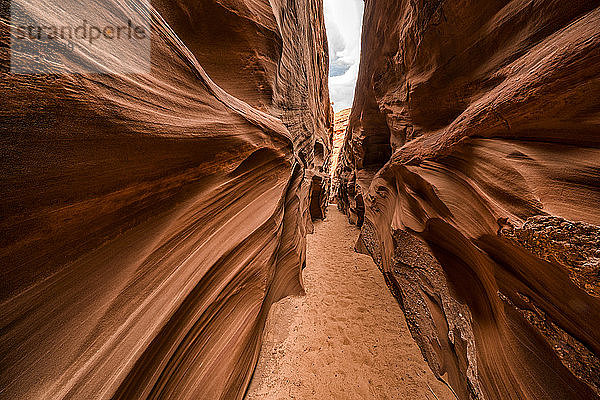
{"points": [[340, 123], [471, 117], [149, 221]]}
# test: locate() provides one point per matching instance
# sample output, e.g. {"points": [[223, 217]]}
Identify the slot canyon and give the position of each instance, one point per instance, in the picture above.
{"points": [[212, 229]]}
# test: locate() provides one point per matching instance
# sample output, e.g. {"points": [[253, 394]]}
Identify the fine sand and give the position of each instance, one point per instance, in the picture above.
{"points": [[347, 337]]}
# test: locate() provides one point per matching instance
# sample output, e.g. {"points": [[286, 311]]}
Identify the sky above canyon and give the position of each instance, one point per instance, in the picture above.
{"points": [[343, 19]]}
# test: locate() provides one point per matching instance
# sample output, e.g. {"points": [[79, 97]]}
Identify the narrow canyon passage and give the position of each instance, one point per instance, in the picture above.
{"points": [[156, 199], [347, 337]]}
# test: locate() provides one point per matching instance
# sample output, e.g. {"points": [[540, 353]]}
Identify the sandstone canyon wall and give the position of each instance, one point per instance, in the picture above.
{"points": [[472, 165], [340, 124], [148, 221]]}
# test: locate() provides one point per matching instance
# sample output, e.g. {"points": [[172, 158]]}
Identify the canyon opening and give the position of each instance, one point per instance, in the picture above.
{"points": [[242, 204]]}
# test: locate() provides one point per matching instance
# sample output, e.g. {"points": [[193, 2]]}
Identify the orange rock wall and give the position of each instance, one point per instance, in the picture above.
{"points": [[149, 221], [473, 149], [340, 123]]}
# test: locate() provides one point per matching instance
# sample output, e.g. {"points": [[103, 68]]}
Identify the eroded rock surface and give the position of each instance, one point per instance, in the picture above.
{"points": [[340, 124], [148, 221], [473, 166]]}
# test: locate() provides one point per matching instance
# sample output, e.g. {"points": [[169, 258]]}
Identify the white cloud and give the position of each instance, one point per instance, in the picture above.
{"points": [[343, 19]]}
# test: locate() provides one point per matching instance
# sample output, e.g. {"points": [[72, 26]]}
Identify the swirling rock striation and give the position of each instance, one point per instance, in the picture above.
{"points": [[472, 164], [148, 221]]}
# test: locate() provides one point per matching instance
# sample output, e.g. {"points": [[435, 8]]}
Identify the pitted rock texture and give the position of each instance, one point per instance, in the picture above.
{"points": [[476, 129], [575, 245], [148, 221]]}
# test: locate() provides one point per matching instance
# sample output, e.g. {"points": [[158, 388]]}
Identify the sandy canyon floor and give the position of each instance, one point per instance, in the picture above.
{"points": [[347, 337]]}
